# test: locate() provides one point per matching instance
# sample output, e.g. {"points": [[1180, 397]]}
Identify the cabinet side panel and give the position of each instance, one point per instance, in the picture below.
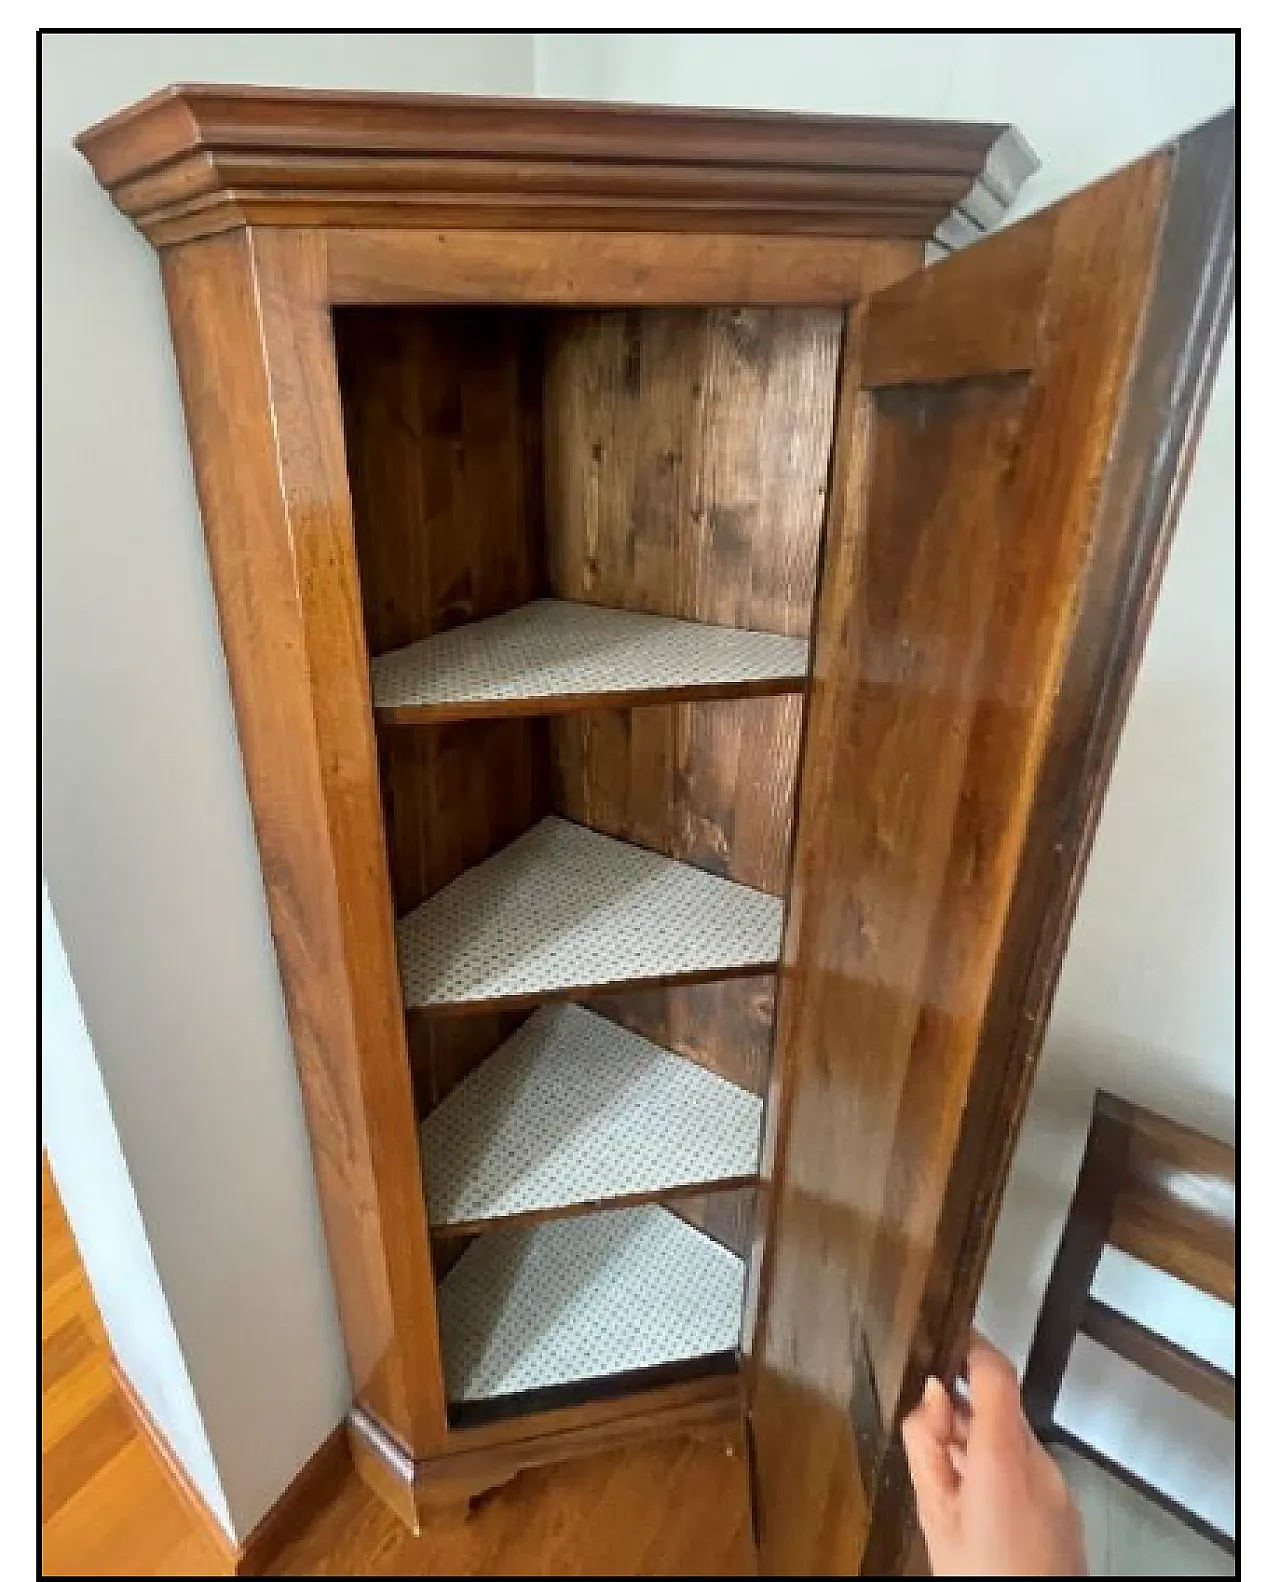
{"points": [[442, 413], [260, 392]]}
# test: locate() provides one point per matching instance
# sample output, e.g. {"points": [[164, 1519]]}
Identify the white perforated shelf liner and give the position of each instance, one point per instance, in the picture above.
{"points": [[563, 907], [584, 1298], [575, 1109], [554, 648]]}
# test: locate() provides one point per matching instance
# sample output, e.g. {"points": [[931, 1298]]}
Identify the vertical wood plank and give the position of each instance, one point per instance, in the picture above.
{"points": [[259, 386]]}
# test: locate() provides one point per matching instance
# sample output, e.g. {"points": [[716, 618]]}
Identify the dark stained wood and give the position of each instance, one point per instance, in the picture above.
{"points": [[711, 784], [1165, 1194], [529, 1406], [632, 268], [1182, 1369], [454, 795], [490, 1449], [675, 1197], [442, 422], [979, 319], [686, 456], [522, 1002], [586, 702], [1175, 1205], [1188, 307], [686, 453], [194, 160], [725, 1025], [1084, 1235], [444, 1049], [965, 707], [727, 1216], [260, 390]]}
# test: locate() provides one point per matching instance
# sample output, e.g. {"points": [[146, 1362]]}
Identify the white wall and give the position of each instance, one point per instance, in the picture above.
{"points": [[93, 1183], [148, 847], [1147, 1000]]}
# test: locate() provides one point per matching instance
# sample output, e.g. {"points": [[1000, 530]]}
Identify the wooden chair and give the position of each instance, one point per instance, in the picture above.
{"points": [[1166, 1195]]}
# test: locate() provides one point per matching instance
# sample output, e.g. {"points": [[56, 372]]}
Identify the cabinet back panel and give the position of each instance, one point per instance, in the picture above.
{"points": [[686, 453], [727, 1217], [442, 417], [726, 1026], [686, 456], [667, 460]]}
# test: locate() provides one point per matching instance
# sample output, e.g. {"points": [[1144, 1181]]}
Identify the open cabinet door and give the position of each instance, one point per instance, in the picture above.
{"points": [[1014, 434]]}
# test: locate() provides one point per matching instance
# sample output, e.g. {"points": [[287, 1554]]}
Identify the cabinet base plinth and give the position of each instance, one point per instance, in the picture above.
{"points": [[484, 1458]]}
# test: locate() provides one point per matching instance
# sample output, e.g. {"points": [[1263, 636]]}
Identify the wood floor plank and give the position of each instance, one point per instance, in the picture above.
{"points": [[673, 1508]]}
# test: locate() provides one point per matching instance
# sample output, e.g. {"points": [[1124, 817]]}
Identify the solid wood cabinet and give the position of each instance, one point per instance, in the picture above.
{"points": [[678, 644]]}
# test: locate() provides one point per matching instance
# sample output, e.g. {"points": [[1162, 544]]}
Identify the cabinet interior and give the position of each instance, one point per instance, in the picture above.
{"points": [[588, 813]]}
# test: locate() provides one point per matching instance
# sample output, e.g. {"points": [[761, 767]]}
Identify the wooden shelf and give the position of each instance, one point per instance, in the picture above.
{"points": [[585, 1299], [553, 657], [563, 910], [574, 1110]]}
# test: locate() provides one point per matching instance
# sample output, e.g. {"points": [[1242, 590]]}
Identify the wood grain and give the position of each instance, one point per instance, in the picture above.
{"points": [[453, 795], [260, 392], [631, 268], [441, 414], [981, 539], [700, 498], [726, 1026], [194, 160], [1175, 1204], [981, 319]]}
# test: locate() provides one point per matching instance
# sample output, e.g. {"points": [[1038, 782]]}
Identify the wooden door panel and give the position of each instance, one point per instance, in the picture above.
{"points": [[1012, 439]]}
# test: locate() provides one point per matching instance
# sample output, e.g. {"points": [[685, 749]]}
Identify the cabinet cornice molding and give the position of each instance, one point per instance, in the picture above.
{"points": [[196, 160]]}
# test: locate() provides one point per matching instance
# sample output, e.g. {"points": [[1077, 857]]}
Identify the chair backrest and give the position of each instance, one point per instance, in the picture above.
{"points": [[1165, 1195]]}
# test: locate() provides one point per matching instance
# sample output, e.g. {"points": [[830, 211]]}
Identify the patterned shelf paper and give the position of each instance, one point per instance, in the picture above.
{"points": [[553, 648], [574, 1109], [580, 1299], [563, 907]]}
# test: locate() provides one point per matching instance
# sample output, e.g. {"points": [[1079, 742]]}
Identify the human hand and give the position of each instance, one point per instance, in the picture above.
{"points": [[990, 1499]]}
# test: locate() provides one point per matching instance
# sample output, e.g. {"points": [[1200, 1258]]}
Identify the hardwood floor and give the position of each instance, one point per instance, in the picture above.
{"points": [[677, 1508]]}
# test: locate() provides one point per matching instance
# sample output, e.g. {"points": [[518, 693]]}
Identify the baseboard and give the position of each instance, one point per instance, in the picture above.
{"points": [[314, 1485], [177, 1476]]}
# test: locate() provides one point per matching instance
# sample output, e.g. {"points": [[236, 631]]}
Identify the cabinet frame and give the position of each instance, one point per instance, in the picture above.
{"points": [[272, 207]]}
